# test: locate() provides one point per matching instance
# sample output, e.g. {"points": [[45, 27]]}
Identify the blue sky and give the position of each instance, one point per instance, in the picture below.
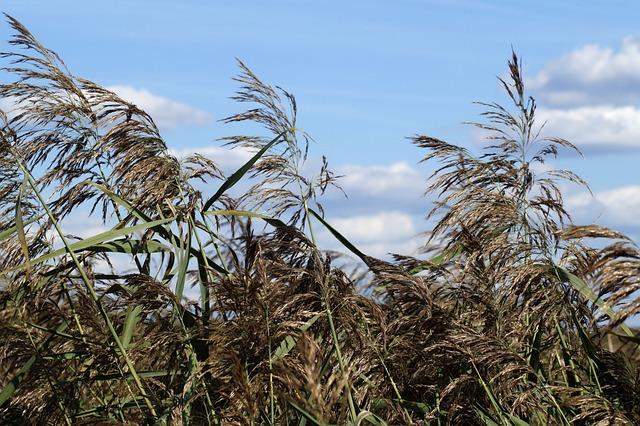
{"points": [[367, 74]]}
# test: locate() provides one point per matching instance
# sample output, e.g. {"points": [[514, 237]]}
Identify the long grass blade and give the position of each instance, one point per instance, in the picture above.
{"points": [[24, 370], [238, 174], [95, 240], [130, 321], [586, 291], [345, 242], [20, 227], [289, 342], [276, 223], [12, 230]]}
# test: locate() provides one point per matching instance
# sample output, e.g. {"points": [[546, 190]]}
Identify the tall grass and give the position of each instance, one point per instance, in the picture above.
{"points": [[510, 317]]}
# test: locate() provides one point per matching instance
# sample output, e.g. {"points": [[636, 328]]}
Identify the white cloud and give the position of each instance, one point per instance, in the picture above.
{"points": [[376, 188], [168, 114], [8, 105], [383, 226], [227, 159], [394, 179], [617, 208], [597, 126], [376, 234], [591, 75], [379, 187], [590, 96]]}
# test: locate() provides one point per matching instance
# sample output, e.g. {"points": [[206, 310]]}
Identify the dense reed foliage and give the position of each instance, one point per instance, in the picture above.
{"points": [[511, 315]]}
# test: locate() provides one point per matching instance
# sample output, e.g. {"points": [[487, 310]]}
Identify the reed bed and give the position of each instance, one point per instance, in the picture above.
{"points": [[511, 315]]}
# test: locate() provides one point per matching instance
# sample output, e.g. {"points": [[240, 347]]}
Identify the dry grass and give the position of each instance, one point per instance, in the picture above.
{"points": [[511, 318]]}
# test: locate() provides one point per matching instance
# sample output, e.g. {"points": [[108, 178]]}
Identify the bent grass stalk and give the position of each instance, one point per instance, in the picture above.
{"points": [[121, 349]]}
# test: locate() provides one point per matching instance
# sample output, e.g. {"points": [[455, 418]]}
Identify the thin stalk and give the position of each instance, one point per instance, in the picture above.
{"points": [[51, 384], [223, 263], [89, 287], [204, 290], [94, 137], [336, 345], [271, 396], [492, 398], [395, 388]]}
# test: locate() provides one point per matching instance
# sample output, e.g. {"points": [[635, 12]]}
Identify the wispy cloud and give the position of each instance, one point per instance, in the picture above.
{"points": [[382, 226], [168, 114], [380, 178], [384, 210], [10, 106]]}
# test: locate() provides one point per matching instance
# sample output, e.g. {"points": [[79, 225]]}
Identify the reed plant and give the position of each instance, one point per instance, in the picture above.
{"points": [[510, 316]]}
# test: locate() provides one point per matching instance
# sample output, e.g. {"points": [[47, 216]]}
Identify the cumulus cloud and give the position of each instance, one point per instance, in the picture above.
{"points": [[384, 210], [383, 226], [168, 114], [8, 105], [396, 186], [591, 75], [379, 178], [227, 159], [376, 234], [616, 208], [594, 128], [590, 96]]}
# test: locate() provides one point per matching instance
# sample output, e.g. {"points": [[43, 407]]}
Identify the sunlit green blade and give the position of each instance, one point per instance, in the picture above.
{"points": [[290, 341], [130, 321], [345, 242], [584, 289], [88, 243], [10, 231], [235, 177], [277, 223]]}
